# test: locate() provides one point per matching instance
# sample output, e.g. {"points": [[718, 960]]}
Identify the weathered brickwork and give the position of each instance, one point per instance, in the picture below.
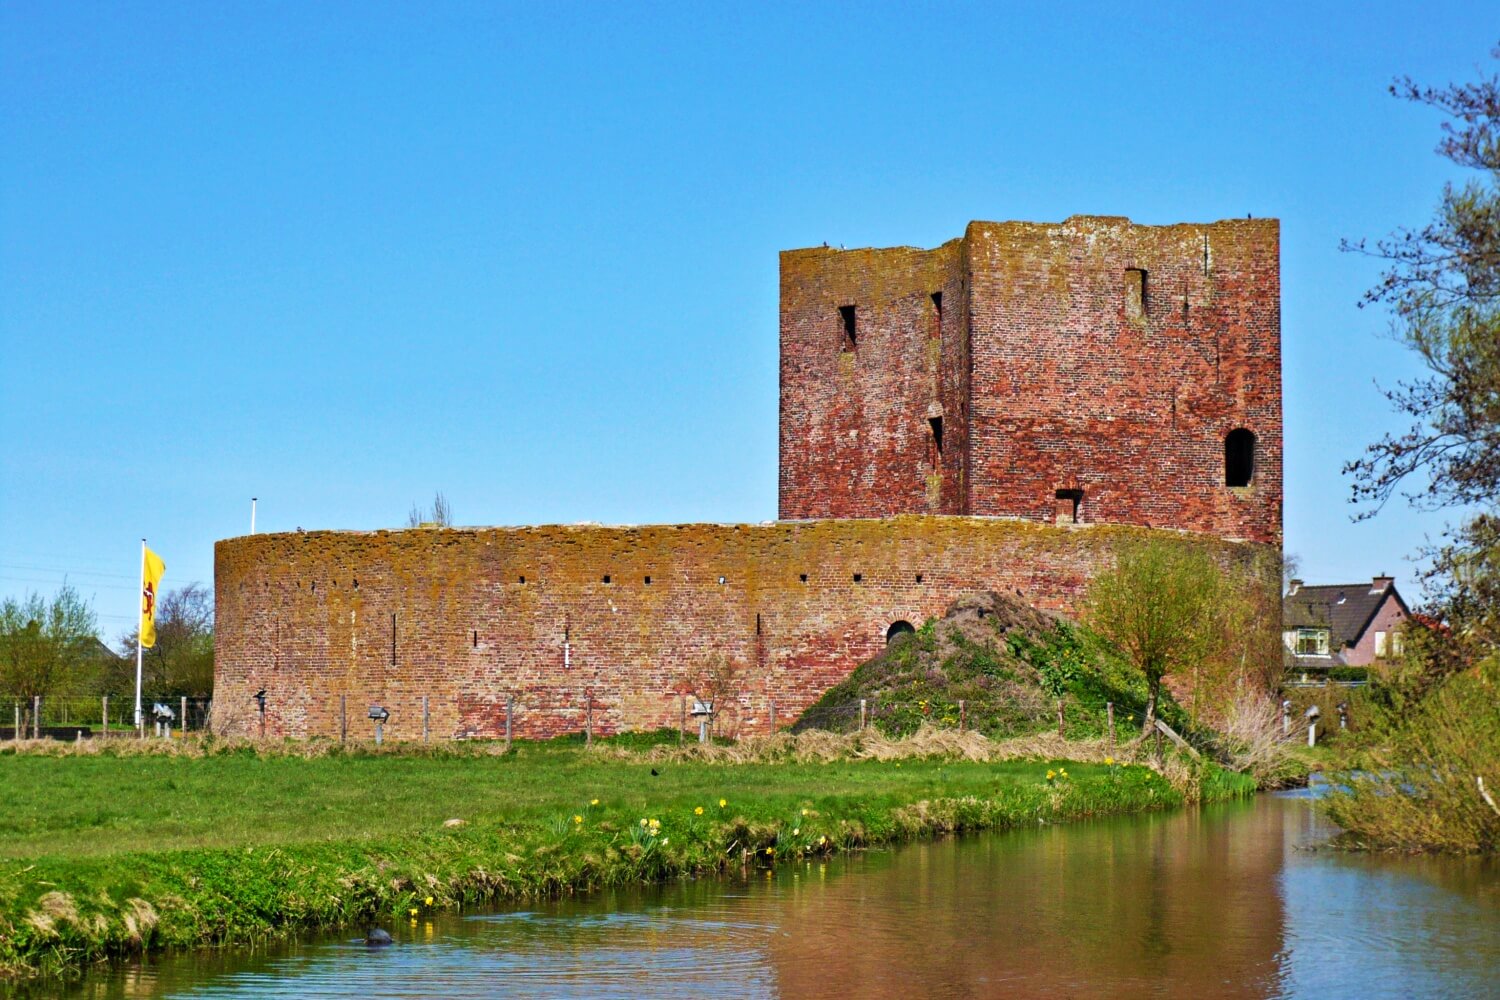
{"points": [[1090, 369], [996, 413], [387, 617]]}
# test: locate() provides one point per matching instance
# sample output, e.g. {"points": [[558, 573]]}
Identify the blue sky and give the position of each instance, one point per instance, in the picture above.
{"points": [[341, 256]]}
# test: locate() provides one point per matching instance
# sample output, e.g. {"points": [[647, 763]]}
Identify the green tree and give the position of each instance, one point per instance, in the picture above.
{"points": [[1160, 606], [182, 661], [1442, 288], [45, 642]]}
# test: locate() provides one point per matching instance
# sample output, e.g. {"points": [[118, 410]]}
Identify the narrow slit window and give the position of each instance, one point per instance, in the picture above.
{"points": [[606, 578], [1239, 457], [523, 581], [937, 314], [936, 423], [648, 581], [1135, 294], [803, 577], [849, 323]]}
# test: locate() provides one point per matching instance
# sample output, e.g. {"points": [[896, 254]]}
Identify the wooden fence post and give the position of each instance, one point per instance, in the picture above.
{"points": [[961, 715], [1061, 722], [510, 711], [773, 716], [36, 717], [861, 715], [104, 715], [588, 721], [1109, 712], [183, 706]]}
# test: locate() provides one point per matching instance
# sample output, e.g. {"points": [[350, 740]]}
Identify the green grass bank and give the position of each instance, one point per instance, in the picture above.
{"points": [[110, 854]]}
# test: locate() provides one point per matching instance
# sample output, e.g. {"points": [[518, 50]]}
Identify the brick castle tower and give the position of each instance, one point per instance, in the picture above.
{"points": [[1091, 371]]}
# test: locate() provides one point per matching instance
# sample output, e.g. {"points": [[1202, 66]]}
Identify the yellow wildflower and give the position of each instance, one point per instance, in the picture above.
{"points": [[593, 802], [796, 830], [1110, 761], [427, 901], [413, 911], [643, 821], [577, 818], [723, 803], [804, 812], [1051, 775], [698, 811]]}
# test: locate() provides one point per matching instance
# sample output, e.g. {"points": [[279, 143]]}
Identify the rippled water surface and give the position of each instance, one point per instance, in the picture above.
{"points": [[1219, 903]]}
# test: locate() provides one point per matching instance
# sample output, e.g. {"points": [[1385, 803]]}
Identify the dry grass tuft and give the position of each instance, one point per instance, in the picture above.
{"points": [[821, 746]]}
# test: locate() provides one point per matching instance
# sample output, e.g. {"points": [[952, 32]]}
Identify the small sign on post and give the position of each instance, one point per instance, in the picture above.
{"points": [[704, 713]]}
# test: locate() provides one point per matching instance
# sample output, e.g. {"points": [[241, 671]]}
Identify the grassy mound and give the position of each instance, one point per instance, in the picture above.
{"points": [[1008, 664]]}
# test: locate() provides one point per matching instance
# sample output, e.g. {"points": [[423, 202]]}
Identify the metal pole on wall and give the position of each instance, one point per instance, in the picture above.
{"points": [[425, 727], [343, 718], [773, 716], [682, 719], [510, 711], [184, 726], [588, 721]]}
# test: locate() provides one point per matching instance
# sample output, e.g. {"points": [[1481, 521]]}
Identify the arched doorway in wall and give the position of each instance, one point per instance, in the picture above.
{"points": [[1239, 457], [901, 627]]}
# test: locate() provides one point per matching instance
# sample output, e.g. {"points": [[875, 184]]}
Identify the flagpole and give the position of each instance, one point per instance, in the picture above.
{"points": [[138, 654]]}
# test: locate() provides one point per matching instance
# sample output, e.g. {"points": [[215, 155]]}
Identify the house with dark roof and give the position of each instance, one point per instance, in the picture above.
{"points": [[1341, 624]]}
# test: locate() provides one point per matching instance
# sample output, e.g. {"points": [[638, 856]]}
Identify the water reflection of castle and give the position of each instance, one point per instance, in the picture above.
{"points": [[1113, 908]]}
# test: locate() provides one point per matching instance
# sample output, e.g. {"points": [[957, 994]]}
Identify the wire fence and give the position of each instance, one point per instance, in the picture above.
{"points": [[71, 717]]}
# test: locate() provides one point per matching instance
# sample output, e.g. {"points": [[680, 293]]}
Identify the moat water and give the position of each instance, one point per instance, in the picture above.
{"points": [[1224, 902]]}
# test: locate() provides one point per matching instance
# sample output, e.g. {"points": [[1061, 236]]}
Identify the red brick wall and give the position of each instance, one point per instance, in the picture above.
{"points": [[1387, 618], [1045, 380], [855, 437], [386, 617]]}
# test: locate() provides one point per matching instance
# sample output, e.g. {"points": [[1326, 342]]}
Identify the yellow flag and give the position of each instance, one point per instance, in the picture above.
{"points": [[151, 570]]}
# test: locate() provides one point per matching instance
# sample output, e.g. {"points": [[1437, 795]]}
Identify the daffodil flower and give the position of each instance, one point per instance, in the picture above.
{"points": [[428, 901], [723, 803], [698, 811], [577, 818]]}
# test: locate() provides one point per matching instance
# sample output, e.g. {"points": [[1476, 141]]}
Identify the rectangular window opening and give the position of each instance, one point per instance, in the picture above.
{"points": [[859, 577], [648, 581], [1067, 504], [937, 314], [850, 326], [803, 577], [936, 423]]}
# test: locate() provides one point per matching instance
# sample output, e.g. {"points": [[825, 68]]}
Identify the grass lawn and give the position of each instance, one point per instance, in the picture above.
{"points": [[99, 805], [108, 855]]}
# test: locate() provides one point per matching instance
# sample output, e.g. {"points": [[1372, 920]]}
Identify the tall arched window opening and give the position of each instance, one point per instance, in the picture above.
{"points": [[1239, 457]]}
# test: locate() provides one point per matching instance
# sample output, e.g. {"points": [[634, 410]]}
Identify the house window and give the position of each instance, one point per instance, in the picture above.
{"points": [[1382, 644], [850, 326], [1135, 295], [1312, 642], [1239, 457]]}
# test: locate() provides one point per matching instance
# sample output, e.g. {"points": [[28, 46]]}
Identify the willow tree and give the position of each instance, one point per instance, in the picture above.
{"points": [[1160, 605]]}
